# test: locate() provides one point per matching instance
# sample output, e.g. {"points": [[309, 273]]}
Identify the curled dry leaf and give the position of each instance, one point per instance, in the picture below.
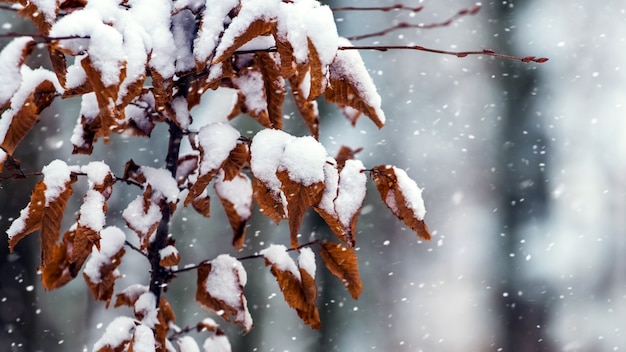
{"points": [[101, 268], [236, 198], [402, 196], [342, 262]]}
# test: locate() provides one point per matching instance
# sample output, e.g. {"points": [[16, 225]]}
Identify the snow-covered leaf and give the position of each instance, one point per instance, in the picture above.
{"points": [[236, 198], [220, 289], [402, 196], [101, 268]]}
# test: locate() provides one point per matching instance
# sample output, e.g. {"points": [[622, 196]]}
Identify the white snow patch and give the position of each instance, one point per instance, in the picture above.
{"points": [[143, 340], [146, 304], [277, 255], [225, 282], [10, 63], [411, 192], [111, 241], [137, 219], [238, 191], [352, 189], [306, 261], [217, 140], [217, 343], [304, 160], [162, 182], [92, 211], [119, 330]]}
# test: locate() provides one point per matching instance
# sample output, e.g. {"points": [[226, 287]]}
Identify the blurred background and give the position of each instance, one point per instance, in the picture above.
{"points": [[523, 168]]}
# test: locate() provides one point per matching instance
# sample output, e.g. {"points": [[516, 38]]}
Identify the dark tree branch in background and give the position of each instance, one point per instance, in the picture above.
{"points": [[402, 25]]}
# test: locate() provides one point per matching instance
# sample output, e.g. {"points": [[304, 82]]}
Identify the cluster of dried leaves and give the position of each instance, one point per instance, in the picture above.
{"points": [[132, 102]]}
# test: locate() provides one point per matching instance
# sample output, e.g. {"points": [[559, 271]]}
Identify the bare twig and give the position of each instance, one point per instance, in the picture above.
{"points": [[135, 248], [403, 25], [486, 52], [379, 8]]}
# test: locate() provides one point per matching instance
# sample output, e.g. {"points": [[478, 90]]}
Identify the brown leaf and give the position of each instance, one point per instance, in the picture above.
{"points": [[299, 197], [274, 87], [350, 85], [162, 90], [316, 71], [252, 98], [220, 288], [269, 202], [62, 269], [237, 159], [344, 154], [236, 198], [38, 16], [402, 197], [285, 51], [101, 269], [257, 28], [106, 96], [27, 116], [299, 291], [171, 258], [342, 262], [307, 108], [187, 165], [165, 316], [202, 205], [141, 211]]}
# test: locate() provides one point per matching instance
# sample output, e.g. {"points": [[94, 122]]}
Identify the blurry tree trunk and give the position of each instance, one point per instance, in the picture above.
{"points": [[524, 309]]}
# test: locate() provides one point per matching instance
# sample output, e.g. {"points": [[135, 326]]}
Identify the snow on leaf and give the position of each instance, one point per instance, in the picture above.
{"points": [[343, 198], [187, 344], [266, 150], [254, 19], [351, 85], [402, 196], [303, 159], [12, 57], [215, 142], [220, 288], [299, 291], [142, 215], [129, 295], [299, 198], [251, 96], [143, 339], [236, 198], [117, 335], [36, 92], [217, 343], [101, 268], [342, 262], [45, 210], [169, 256], [211, 27]]}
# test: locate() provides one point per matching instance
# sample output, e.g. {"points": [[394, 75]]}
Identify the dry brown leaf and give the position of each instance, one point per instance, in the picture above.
{"points": [[342, 262], [202, 205], [28, 115], [103, 290], [165, 316], [308, 109], [171, 259], [237, 159], [395, 198], [236, 198], [345, 153], [274, 87], [227, 274], [297, 285], [257, 28], [61, 269], [32, 11], [270, 204], [106, 96], [162, 91], [316, 71], [187, 165], [299, 197]]}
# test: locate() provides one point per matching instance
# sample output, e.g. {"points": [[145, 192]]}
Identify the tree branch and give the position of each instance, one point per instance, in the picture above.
{"points": [[486, 52], [379, 8], [252, 256], [402, 25]]}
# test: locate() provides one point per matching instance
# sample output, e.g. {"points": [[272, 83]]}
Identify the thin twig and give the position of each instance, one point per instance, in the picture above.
{"points": [[379, 8], [402, 25], [252, 256], [486, 52], [135, 248]]}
